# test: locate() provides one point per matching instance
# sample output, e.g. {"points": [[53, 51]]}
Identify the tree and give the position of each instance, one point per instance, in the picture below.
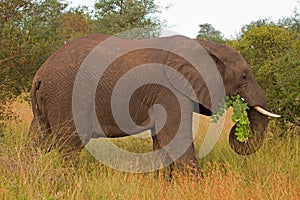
{"points": [[115, 16], [29, 34], [76, 22], [272, 50], [31, 30], [208, 32]]}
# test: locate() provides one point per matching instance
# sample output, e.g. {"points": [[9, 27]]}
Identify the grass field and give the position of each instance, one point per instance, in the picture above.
{"points": [[26, 173]]}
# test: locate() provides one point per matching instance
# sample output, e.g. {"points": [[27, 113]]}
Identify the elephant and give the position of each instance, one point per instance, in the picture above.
{"points": [[52, 96]]}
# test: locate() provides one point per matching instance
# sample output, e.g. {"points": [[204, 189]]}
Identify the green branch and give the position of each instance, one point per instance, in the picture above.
{"points": [[239, 116]]}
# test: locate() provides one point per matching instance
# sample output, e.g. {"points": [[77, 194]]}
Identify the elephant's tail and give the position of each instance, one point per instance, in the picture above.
{"points": [[40, 124], [35, 87]]}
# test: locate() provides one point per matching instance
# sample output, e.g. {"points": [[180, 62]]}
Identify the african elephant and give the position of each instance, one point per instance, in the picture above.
{"points": [[53, 94]]}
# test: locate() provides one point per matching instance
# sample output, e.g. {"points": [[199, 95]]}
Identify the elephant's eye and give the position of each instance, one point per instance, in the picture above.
{"points": [[244, 76]]}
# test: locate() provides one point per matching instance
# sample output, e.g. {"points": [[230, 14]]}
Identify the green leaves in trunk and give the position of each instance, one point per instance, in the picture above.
{"points": [[239, 116]]}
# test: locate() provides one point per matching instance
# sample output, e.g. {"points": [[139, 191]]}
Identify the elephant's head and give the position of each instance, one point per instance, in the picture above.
{"points": [[238, 78]]}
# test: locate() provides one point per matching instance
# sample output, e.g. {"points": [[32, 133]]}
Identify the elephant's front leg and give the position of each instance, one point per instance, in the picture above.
{"points": [[182, 148], [163, 163], [173, 142], [188, 162]]}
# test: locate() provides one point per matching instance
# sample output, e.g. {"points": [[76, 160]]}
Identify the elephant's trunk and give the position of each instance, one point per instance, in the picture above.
{"points": [[258, 124], [253, 95]]}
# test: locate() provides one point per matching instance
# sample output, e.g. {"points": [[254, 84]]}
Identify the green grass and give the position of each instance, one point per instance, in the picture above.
{"points": [[272, 173]]}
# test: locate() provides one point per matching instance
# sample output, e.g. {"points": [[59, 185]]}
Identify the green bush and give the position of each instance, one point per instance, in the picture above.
{"points": [[272, 51], [32, 30]]}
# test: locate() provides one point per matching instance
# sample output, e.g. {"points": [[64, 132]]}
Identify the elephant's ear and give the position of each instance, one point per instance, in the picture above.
{"points": [[223, 55], [200, 72]]}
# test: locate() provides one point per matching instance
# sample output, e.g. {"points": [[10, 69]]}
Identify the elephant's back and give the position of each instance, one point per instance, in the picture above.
{"points": [[68, 58], [53, 83]]}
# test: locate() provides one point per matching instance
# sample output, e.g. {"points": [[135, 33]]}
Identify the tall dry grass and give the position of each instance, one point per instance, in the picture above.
{"points": [[26, 173]]}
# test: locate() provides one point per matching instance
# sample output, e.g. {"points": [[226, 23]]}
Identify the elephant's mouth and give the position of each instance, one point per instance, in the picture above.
{"points": [[262, 110], [259, 109]]}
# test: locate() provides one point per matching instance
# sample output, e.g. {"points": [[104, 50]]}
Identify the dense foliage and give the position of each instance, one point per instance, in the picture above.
{"points": [[208, 32], [117, 16], [239, 116], [29, 34], [272, 51], [31, 30]]}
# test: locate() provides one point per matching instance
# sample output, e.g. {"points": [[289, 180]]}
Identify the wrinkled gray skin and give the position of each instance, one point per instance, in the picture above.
{"points": [[52, 87]]}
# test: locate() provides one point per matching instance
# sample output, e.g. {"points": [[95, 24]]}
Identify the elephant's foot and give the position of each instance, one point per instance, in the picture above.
{"points": [[67, 144], [164, 173], [165, 165], [188, 164], [177, 169], [189, 169]]}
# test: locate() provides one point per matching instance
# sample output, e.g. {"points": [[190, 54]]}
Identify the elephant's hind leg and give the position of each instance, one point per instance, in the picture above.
{"points": [[66, 140], [62, 138], [38, 132]]}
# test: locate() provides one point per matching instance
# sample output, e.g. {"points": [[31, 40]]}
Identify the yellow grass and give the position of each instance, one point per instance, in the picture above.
{"points": [[26, 173]]}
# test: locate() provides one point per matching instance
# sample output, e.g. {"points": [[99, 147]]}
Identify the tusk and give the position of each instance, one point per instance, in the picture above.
{"points": [[264, 112]]}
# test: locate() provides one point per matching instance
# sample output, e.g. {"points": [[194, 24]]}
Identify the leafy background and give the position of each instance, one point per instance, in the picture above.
{"points": [[31, 30]]}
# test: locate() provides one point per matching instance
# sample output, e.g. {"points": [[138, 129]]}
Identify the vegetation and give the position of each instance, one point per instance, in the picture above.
{"points": [[208, 32], [118, 16], [239, 116], [271, 173], [272, 51], [28, 37], [32, 30]]}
